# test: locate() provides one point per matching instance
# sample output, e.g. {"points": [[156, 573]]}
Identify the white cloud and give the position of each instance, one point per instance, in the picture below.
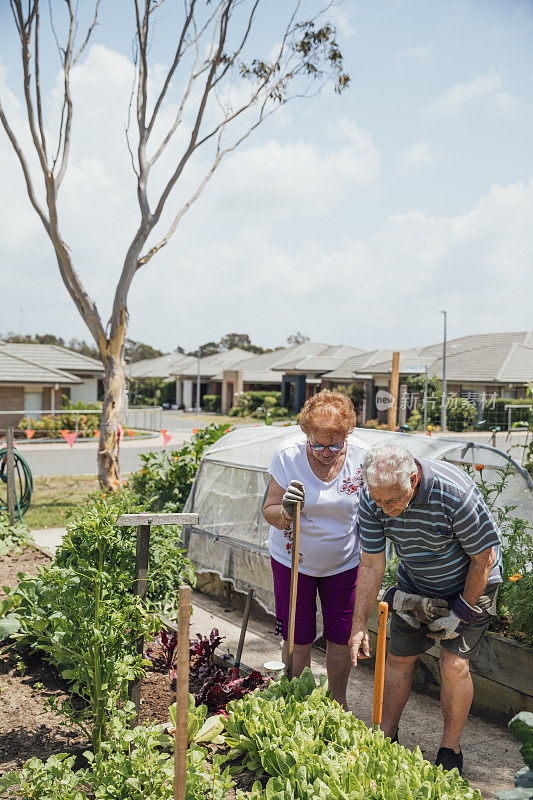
{"points": [[342, 20], [269, 248], [483, 89], [423, 53], [417, 157]]}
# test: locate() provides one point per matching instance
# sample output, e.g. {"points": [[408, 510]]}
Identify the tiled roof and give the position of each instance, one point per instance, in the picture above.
{"points": [[490, 358], [54, 357], [161, 367], [14, 369], [210, 365]]}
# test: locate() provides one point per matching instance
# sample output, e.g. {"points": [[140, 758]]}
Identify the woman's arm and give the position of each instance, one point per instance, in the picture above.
{"points": [[272, 506]]}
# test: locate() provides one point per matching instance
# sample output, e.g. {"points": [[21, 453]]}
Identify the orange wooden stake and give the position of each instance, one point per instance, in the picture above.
{"points": [[182, 694], [379, 674], [294, 588]]}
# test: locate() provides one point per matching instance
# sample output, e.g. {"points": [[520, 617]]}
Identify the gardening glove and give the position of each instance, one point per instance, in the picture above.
{"points": [[295, 493], [414, 608], [450, 626]]}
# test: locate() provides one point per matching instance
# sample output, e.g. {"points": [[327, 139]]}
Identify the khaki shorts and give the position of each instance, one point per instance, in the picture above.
{"points": [[408, 641]]}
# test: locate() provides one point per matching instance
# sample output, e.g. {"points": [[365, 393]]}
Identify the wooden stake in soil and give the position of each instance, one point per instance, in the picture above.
{"points": [[182, 694], [379, 674], [294, 588], [10, 469], [244, 627], [394, 381], [141, 581]]}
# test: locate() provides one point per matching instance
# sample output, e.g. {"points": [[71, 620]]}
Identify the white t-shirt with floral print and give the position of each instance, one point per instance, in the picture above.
{"points": [[329, 535]]}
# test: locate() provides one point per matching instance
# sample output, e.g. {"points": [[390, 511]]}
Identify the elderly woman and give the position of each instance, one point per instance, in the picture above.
{"points": [[320, 468]]}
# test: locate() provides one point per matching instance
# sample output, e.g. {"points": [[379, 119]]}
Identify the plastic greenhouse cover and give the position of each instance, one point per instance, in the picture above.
{"points": [[230, 485]]}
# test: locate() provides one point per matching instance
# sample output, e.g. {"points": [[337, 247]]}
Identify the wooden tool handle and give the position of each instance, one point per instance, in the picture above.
{"points": [[182, 694], [379, 674], [294, 588]]}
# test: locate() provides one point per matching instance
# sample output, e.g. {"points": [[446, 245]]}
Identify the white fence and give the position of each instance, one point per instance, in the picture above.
{"points": [[144, 418]]}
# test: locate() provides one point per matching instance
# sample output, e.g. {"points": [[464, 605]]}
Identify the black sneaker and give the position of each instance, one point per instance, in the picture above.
{"points": [[449, 759]]}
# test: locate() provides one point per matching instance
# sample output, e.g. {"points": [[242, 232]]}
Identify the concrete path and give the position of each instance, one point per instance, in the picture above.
{"points": [[490, 752], [48, 539]]}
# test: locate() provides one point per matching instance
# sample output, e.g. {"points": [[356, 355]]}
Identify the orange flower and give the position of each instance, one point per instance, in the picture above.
{"points": [[124, 483], [515, 578], [176, 458], [226, 430], [479, 467], [104, 495], [116, 482]]}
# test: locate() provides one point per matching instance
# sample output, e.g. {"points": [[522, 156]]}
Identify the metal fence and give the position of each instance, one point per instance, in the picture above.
{"points": [[143, 418]]}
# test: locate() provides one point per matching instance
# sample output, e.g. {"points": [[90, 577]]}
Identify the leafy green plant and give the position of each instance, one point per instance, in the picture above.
{"points": [[13, 538], [515, 598], [53, 779], [80, 611], [211, 402], [166, 478], [312, 748], [521, 726]]}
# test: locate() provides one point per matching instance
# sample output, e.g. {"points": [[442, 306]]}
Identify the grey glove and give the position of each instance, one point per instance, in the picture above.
{"points": [[295, 493], [446, 627], [414, 608], [450, 625]]}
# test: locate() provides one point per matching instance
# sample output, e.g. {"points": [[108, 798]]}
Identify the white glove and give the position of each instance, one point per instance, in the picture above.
{"points": [[414, 608], [295, 493]]}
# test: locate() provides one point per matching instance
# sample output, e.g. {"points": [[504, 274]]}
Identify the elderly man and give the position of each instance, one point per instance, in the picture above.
{"points": [[450, 567]]}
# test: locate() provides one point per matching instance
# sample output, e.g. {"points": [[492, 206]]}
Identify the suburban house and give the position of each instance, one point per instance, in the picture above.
{"points": [[477, 367], [34, 377]]}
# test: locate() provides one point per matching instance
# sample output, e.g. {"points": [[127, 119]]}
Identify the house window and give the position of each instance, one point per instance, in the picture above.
{"points": [[33, 402]]}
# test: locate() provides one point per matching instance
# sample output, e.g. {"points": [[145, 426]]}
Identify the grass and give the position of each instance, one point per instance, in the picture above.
{"points": [[54, 495]]}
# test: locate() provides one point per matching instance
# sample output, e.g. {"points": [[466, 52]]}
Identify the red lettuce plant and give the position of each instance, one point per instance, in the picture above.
{"points": [[220, 688]]}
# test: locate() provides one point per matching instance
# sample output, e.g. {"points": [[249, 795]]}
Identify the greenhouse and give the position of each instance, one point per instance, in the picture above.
{"points": [[233, 476]]}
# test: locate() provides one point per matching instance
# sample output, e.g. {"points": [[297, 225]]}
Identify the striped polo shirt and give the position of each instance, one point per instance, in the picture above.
{"points": [[445, 523]]}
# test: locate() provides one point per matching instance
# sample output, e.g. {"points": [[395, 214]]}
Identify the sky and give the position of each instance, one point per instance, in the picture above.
{"points": [[353, 218]]}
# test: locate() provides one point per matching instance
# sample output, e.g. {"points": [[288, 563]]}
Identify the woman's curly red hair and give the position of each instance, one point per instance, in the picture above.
{"points": [[328, 411]]}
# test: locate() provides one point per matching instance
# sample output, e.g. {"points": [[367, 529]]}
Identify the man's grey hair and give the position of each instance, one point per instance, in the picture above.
{"points": [[388, 464]]}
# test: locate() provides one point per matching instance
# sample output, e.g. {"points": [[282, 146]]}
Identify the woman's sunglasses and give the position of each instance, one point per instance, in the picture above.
{"points": [[333, 448]]}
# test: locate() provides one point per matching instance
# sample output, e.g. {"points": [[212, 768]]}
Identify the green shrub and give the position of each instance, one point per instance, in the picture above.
{"points": [[165, 479], [211, 402], [248, 402], [461, 415]]}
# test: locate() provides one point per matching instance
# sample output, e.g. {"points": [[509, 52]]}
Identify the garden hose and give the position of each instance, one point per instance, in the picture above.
{"points": [[23, 480]]}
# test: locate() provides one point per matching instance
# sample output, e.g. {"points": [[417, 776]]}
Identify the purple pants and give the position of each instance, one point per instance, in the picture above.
{"points": [[337, 595]]}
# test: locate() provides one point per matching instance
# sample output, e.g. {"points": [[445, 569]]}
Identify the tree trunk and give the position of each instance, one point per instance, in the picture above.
{"points": [[112, 412]]}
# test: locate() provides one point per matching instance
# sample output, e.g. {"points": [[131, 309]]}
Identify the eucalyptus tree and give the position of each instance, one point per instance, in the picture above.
{"points": [[219, 52]]}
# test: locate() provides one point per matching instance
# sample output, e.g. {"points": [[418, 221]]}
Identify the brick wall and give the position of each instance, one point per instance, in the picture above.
{"points": [[11, 397]]}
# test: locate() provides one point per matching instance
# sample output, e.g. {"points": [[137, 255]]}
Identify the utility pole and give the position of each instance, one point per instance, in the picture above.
{"points": [[426, 397], [394, 381], [198, 381], [443, 420]]}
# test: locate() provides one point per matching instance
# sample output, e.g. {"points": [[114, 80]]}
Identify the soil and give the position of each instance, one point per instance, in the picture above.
{"points": [[27, 560], [27, 727]]}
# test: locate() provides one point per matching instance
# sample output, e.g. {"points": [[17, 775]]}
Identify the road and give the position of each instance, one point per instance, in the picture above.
{"points": [[60, 459]]}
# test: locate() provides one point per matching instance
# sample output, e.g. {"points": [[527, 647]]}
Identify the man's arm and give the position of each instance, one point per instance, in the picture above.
{"points": [[371, 571], [478, 574]]}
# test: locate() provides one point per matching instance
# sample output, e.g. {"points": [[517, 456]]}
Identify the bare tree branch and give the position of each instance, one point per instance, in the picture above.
{"points": [[25, 169], [90, 30]]}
